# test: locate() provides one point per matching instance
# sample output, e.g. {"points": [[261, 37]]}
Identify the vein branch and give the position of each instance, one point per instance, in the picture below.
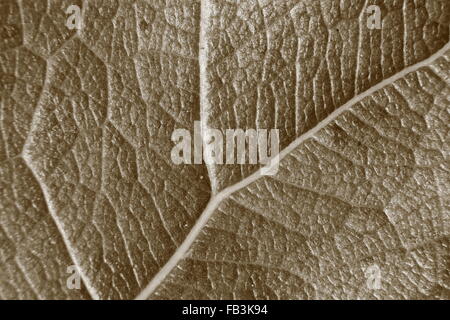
{"points": [[215, 201]]}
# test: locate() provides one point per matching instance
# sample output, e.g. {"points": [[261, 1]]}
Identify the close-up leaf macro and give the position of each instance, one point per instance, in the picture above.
{"points": [[121, 169]]}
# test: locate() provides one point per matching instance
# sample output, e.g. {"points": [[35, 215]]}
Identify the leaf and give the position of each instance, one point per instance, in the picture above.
{"points": [[98, 113], [289, 64], [369, 188], [87, 180]]}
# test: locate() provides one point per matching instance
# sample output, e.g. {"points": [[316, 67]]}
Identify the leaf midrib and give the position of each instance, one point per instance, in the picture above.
{"points": [[216, 199]]}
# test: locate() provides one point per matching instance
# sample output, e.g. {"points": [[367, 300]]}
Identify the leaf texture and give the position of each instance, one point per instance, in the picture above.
{"points": [[289, 64], [86, 177], [105, 102], [369, 188]]}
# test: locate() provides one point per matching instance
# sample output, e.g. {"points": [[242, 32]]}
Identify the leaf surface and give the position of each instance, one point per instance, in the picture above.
{"points": [[86, 177]]}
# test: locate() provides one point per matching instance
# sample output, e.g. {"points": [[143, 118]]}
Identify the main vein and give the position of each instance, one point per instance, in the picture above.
{"points": [[214, 202]]}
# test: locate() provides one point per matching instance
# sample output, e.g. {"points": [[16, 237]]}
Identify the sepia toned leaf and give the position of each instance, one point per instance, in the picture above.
{"points": [[92, 206]]}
